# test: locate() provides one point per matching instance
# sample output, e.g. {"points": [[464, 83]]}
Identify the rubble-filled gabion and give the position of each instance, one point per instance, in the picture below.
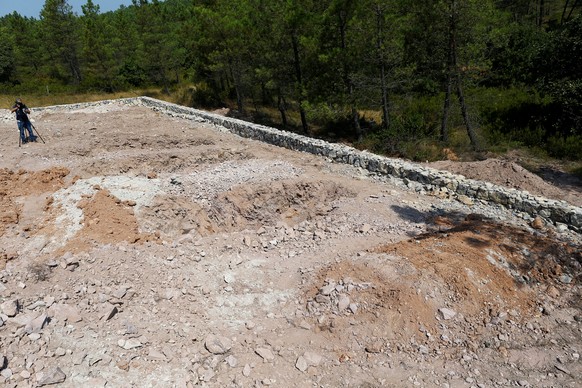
{"points": [[429, 179]]}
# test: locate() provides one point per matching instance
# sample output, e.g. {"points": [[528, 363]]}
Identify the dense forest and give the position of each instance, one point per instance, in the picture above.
{"points": [[399, 77]]}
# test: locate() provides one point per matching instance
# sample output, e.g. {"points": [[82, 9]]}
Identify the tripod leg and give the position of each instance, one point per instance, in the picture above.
{"points": [[20, 135], [36, 130]]}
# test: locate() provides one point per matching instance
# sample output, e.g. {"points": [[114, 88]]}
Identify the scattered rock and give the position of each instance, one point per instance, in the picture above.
{"points": [[52, 376], [217, 344], [446, 313], [265, 353], [65, 312], [537, 223], [301, 364], [10, 308], [37, 324]]}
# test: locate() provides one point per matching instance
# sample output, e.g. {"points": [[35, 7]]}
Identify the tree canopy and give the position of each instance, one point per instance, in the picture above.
{"points": [[389, 72]]}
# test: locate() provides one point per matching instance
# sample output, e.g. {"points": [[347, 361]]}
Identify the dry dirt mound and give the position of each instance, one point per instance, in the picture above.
{"points": [[19, 184], [140, 250], [509, 174]]}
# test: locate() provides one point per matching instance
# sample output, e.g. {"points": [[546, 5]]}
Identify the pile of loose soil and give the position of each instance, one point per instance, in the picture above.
{"points": [[512, 175]]}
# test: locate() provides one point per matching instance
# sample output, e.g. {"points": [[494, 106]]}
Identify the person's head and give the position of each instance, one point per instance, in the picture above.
{"points": [[18, 101]]}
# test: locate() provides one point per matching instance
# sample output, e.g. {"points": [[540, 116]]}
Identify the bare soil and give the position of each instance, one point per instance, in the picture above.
{"points": [[140, 250]]}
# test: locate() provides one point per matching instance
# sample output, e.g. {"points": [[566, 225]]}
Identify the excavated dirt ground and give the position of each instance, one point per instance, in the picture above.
{"points": [[140, 250]]}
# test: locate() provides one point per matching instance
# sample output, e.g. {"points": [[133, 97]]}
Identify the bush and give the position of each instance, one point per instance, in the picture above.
{"points": [[569, 147], [203, 96], [414, 123], [522, 117]]}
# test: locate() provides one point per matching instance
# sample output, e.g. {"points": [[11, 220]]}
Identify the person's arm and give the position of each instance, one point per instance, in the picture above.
{"points": [[14, 109]]}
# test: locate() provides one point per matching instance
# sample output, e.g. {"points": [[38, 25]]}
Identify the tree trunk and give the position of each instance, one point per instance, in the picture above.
{"points": [[541, 14], [572, 9], [385, 102], [446, 109], [470, 131], [282, 106], [237, 87], [564, 11], [451, 66], [349, 85], [383, 86], [298, 75]]}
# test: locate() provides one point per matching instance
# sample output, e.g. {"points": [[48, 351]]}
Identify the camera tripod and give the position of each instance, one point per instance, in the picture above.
{"points": [[34, 130]]}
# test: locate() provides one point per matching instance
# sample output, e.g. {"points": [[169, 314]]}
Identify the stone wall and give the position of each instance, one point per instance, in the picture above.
{"points": [[423, 179]]}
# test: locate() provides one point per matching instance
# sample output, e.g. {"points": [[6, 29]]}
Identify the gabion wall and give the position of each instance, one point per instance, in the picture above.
{"points": [[429, 179]]}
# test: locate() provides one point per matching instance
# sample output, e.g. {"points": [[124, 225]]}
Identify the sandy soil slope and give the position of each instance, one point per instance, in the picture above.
{"points": [[140, 250]]}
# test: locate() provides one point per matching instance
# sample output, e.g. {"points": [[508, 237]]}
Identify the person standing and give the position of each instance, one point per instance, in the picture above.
{"points": [[22, 112]]}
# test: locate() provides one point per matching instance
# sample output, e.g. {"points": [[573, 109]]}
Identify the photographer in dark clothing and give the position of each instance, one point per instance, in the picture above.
{"points": [[23, 121]]}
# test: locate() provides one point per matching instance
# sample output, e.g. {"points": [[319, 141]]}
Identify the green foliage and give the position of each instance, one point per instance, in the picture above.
{"points": [[202, 96], [7, 59], [324, 64], [568, 147], [413, 133], [560, 75]]}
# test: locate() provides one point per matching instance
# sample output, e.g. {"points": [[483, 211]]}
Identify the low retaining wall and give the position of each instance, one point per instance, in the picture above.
{"points": [[431, 180]]}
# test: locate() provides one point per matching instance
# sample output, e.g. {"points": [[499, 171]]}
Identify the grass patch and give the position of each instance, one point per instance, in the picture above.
{"points": [[32, 100]]}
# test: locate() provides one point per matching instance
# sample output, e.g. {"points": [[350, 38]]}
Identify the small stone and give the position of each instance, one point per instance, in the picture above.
{"points": [[207, 375], [312, 359], [343, 303], [217, 344], [78, 358], [34, 336], [465, 200], [446, 313], [112, 312], [326, 290], [231, 361], [123, 365], [94, 359], [246, 370], [566, 279], [228, 278], [154, 354], [120, 292], [561, 228], [353, 308], [537, 223], [131, 343], [301, 364], [10, 307], [65, 312], [52, 376], [265, 353], [562, 369], [37, 324], [553, 292], [374, 347]]}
